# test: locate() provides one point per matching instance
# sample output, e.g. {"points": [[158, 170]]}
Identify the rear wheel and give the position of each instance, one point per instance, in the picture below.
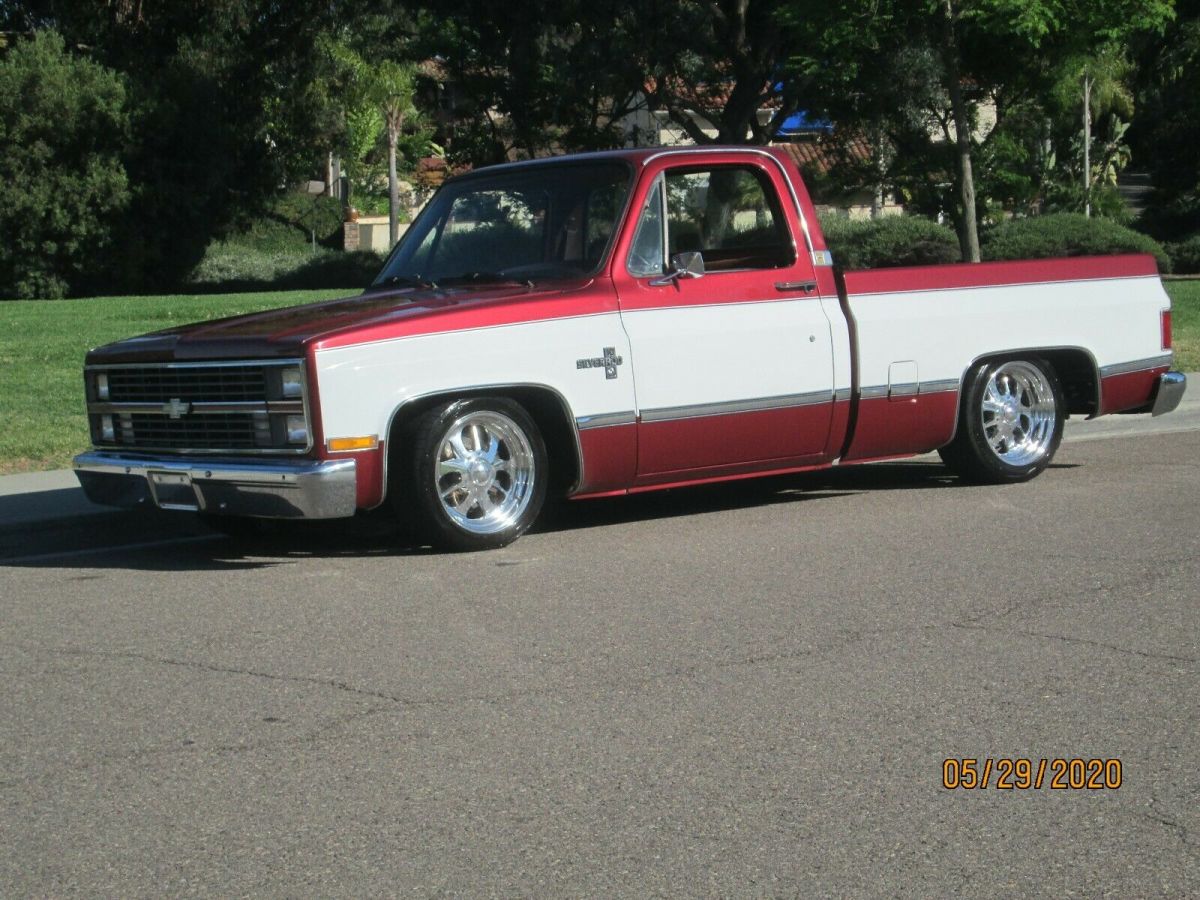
{"points": [[476, 474], [1010, 422]]}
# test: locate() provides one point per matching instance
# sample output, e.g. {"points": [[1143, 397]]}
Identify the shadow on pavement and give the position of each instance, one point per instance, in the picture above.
{"points": [[155, 540]]}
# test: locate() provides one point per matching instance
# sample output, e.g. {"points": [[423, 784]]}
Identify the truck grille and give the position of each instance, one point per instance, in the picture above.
{"points": [[159, 385], [202, 431], [239, 407]]}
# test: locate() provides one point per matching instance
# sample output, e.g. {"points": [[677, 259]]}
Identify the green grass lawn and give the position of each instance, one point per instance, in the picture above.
{"points": [[1185, 324], [42, 343]]}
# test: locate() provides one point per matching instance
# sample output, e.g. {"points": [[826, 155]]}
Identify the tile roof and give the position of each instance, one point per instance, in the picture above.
{"points": [[824, 153]]}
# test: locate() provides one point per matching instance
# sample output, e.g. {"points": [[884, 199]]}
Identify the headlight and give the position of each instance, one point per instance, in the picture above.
{"points": [[102, 386], [107, 432], [297, 430], [293, 384]]}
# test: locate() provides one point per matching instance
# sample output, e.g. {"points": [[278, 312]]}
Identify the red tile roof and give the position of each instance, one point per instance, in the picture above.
{"points": [[824, 153]]}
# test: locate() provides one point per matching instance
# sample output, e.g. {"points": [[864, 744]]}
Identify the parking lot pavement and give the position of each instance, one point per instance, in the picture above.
{"points": [[743, 689]]}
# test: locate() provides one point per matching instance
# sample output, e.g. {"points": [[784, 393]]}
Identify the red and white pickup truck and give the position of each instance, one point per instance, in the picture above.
{"points": [[608, 323]]}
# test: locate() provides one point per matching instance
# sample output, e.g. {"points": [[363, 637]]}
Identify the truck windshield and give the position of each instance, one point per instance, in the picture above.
{"points": [[540, 223]]}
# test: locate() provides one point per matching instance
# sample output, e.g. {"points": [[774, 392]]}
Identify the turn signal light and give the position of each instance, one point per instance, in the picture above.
{"points": [[1166, 329], [368, 442]]}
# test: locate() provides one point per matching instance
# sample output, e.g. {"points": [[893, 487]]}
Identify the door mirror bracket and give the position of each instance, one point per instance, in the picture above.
{"points": [[689, 264]]}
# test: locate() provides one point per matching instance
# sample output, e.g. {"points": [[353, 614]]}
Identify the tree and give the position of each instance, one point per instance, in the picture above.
{"points": [[529, 77], [1002, 53], [64, 124], [224, 107], [1096, 86], [389, 86], [731, 65], [1166, 128]]}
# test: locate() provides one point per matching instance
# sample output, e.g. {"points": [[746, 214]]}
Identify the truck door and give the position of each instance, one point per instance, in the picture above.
{"points": [[734, 367]]}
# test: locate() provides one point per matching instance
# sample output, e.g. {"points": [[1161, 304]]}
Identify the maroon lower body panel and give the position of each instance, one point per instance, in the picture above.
{"points": [[903, 426], [709, 448], [1129, 390], [609, 458], [675, 446]]}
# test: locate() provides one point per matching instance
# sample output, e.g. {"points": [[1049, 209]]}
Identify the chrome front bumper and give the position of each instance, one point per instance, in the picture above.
{"points": [[276, 489], [1171, 386]]}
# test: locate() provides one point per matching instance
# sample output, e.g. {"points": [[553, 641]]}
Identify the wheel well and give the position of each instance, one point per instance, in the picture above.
{"points": [[547, 408], [1076, 371]]}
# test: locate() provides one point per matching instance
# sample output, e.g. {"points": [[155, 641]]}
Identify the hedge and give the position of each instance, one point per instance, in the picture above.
{"points": [[888, 241], [1066, 234], [1185, 256]]}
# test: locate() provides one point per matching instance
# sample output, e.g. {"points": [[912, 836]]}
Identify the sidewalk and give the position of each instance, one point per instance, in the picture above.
{"points": [[42, 498], [39, 497]]}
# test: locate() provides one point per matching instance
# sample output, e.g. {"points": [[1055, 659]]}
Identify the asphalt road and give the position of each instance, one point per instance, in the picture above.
{"points": [[738, 690]]}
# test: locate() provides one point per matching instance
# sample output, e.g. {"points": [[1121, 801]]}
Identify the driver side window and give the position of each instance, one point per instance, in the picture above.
{"points": [[729, 213]]}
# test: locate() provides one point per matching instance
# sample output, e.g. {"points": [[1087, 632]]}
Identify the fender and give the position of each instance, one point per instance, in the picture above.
{"points": [[476, 389], [1025, 352]]}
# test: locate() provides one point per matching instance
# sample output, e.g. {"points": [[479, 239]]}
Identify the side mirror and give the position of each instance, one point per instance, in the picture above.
{"points": [[689, 264]]}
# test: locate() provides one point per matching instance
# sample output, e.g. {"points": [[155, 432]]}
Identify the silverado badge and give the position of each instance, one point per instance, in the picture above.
{"points": [[608, 362]]}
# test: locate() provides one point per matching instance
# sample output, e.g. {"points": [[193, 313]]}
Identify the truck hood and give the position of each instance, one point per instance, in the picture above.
{"points": [[286, 332]]}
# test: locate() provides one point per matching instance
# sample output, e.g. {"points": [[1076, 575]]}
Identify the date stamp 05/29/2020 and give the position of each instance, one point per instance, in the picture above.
{"points": [[1023, 774]]}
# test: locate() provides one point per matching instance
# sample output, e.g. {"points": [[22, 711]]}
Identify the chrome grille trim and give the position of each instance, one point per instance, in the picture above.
{"points": [[198, 408]]}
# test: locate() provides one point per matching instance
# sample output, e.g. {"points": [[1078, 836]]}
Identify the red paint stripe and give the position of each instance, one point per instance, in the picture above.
{"points": [[903, 427], [734, 474], [1130, 390], [609, 458], [754, 437], [838, 428], [994, 274], [599, 298]]}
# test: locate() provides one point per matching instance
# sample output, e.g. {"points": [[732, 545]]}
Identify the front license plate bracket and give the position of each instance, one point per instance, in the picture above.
{"points": [[173, 490]]}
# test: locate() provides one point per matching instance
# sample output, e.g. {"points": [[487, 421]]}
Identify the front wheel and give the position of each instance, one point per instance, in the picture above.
{"points": [[1010, 422], [476, 475]]}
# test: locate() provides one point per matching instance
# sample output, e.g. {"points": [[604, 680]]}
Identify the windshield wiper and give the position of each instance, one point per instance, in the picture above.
{"points": [[477, 277], [405, 281]]}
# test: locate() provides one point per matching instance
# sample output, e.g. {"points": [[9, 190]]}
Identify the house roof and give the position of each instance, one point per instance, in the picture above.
{"points": [[824, 154]]}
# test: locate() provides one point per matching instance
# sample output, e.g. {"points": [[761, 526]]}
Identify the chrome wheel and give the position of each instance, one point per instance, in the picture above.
{"points": [[485, 472], [1019, 413]]}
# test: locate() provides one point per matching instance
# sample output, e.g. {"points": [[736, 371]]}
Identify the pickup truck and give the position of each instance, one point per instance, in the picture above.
{"points": [[609, 323]]}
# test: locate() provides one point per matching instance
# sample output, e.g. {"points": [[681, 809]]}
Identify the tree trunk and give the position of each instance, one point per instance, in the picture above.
{"points": [[393, 191], [968, 236], [1087, 146], [877, 145]]}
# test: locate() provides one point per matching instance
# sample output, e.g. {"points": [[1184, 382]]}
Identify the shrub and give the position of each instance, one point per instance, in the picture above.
{"points": [[888, 241], [333, 269], [64, 121], [1066, 234], [317, 215], [239, 265], [1185, 256]]}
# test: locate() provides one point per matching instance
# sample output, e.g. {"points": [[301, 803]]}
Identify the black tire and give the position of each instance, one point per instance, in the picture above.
{"points": [[470, 474], [1010, 422]]}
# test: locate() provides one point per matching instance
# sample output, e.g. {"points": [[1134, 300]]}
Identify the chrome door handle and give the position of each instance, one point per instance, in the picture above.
{"points": [[807, 286]]}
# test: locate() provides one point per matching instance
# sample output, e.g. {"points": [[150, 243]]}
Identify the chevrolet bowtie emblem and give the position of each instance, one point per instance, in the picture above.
{"points": [[608, 362], [176, 408]]}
